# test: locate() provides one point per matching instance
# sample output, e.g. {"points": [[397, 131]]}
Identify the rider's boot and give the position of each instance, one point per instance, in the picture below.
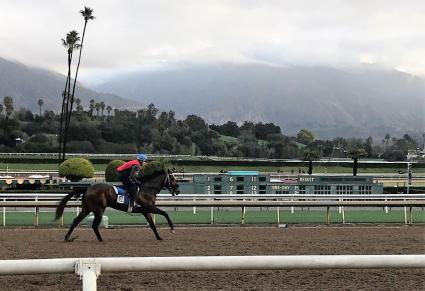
{"points": [[131, 202]]}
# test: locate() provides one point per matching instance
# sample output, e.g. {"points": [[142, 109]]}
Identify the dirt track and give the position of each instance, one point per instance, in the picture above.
{"points": [[47, 243]]}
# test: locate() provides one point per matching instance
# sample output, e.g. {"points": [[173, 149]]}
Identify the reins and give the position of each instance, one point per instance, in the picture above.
{"points": [[164, 185]]}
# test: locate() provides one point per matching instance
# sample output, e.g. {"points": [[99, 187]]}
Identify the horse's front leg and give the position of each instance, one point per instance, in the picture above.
{"points": [[152, 225], [155, 210]]}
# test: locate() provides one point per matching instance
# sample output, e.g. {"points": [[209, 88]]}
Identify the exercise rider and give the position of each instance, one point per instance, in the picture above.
{"points": [[128, 176]]}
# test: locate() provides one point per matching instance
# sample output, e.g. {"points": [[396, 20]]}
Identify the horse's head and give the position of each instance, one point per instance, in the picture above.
{"points": [[171, 183]]}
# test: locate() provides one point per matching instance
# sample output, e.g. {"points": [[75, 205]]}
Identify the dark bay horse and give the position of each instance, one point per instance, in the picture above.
{"points": [[99, 196]]}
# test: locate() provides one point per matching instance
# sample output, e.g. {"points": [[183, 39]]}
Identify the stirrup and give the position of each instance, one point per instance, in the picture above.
{"points": [[130, 207]]}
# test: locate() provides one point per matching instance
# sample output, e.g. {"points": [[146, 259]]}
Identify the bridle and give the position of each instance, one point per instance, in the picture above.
{"points": [[169, 187], [165, 185]]}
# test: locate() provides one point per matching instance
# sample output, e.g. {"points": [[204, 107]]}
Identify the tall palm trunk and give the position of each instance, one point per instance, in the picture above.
{"points": [[62, 116], [355, 167], [310, 167], [68, 120], [67, 106]]}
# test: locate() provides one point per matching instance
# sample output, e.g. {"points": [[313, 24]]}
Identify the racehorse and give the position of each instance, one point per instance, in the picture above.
{"points": [[99, 196]]}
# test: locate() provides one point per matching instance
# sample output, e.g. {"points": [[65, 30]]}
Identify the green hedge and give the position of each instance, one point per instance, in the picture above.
{"points": [[110, 171], [76, 169]]}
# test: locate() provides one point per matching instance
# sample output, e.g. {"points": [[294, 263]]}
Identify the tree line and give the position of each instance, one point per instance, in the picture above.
{"points": [[102, 129]]}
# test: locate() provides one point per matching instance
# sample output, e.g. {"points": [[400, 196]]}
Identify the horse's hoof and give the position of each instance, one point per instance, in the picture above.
{"points": [[70, 239], [158, 238], [172, 231]]}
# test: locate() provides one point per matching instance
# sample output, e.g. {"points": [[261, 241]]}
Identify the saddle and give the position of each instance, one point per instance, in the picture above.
{"points": [[123, 197]]}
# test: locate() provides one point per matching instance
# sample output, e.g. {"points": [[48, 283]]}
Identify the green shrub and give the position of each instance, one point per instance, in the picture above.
{"points": [[110, 172], [76, 169]]}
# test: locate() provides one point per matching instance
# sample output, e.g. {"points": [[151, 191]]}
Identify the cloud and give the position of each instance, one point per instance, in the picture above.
{"points": [[130, 34]]}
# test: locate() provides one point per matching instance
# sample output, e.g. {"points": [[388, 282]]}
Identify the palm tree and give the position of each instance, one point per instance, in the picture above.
{"points": [[355, 154], [40, 104], [87, 15], [78, 102], [102, 107], [97, 107], [109, 109], [71, 44], [387, 138], [8, 105], [91, 106], [309, 156]]}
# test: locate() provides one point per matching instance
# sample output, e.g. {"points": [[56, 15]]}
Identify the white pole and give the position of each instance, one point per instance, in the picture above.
{"points": [[292, 207], [35, 208], [4, 214], [89, 280], [218, 263], [194, 207], [78, 208], [88, 269], [386, 207], [340, 208], [210, 263], [407, 192], [212, 215], [278, 215], [405, 213]]}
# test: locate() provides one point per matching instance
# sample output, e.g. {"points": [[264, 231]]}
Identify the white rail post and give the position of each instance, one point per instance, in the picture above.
{"points": [[292, 207], [212, 215], [88, 270], [278, 213], [36, 213], [405, 213], [194, 207], [328, 216], [243, 214], [4, 214], [78, 208], [386, 207], [340, 208]]}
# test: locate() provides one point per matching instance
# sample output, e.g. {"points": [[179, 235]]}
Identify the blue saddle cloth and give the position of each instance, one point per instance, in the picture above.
{"points": [[122, 195]]}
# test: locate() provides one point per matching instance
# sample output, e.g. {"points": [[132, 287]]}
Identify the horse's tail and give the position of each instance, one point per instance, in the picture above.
{"points": [[59, 210]]}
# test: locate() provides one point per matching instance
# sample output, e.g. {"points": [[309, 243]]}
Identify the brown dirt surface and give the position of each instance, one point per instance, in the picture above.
{"points": [[221, 241]]}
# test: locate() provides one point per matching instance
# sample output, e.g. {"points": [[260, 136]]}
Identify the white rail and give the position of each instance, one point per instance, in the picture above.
{"points": [[407, 201], [90, 268], [19, 196]]}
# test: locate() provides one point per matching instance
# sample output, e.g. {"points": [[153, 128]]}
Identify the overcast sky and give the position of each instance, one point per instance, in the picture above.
{"points": [[132, 34]]}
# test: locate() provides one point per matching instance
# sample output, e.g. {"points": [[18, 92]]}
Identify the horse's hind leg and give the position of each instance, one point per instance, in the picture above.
{"points": [[98, 214], [151, 224], [84, 212]]}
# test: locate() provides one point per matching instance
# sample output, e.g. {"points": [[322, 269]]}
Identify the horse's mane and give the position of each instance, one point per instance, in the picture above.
{"points": [[153, 174]]}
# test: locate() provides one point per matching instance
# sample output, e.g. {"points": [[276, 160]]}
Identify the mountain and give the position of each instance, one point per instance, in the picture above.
{"points": [[330, 102], [28, 84]]}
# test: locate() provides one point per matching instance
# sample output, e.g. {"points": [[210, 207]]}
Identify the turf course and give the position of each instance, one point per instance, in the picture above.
{"points": [[203, 216]]}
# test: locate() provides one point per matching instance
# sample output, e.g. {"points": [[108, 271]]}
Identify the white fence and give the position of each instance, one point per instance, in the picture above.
{"points": [[90, 268], [407, 201]]}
